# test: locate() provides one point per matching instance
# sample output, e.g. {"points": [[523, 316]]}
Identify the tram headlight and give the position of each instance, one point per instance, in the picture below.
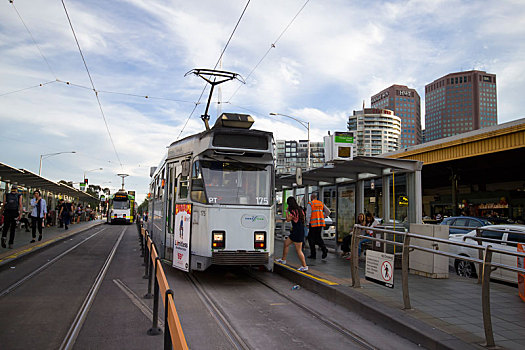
{"points": [[259, 240], [218, 239]]}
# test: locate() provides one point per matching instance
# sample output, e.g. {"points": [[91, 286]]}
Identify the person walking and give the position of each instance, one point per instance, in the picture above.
{"points": [[57, 210], [66, 212], [12, 211], [345, 245], [316, 212], [38, 214], [295, 215]]}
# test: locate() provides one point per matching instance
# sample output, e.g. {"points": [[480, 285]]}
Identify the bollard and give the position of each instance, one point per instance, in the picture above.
{"points": [[155, 330], [147, 262], [148, 295], [167, 336], [404, 272], [485, 298], [354, 260]]}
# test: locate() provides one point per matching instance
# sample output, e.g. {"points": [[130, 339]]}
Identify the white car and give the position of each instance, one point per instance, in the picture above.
{"points": [[498, 232]]}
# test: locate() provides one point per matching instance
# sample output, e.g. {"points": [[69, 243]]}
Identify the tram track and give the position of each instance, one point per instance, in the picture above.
{"points": [[233, 335], [36, 271]]}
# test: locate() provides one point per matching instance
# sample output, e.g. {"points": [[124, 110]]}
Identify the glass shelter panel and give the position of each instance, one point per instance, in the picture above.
{"points": [[345, 210]]}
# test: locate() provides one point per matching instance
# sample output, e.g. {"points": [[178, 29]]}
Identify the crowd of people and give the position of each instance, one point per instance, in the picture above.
{"points": [[307, 226], [41, 215]]}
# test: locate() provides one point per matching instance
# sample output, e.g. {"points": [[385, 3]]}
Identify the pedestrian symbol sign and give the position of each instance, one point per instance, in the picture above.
{"points": [[380, 268]]}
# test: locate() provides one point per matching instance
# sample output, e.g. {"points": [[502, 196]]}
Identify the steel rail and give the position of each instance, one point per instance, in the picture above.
{"points": [[45, 266]]}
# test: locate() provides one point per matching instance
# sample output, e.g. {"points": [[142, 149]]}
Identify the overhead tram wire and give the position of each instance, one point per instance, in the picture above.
{"points": [[216, 64], [92, 84], [272, 46], [34, 41], [28, 88]]}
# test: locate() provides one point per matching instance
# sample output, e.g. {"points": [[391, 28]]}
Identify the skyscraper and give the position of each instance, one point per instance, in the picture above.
{"points": [[375, 130], [406, 104], [460, 102]]}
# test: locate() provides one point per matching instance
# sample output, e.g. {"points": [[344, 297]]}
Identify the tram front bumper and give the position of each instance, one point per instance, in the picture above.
{"points": [[239, 258]]}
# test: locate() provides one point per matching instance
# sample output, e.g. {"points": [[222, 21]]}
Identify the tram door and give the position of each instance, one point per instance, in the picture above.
{"points": [[171, 180]]}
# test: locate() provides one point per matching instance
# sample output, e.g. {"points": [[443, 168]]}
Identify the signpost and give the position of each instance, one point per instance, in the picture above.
{"points": [[380, 268]]}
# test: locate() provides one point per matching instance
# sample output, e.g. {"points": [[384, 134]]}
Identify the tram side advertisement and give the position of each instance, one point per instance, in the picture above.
{"points": [[181, 243]]}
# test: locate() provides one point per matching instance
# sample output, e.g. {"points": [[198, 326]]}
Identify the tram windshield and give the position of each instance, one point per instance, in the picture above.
{"points": [[233, 182], [120, 204]]}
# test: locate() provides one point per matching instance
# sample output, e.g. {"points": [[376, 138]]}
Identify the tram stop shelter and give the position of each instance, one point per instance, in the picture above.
{"points": [[388, 188], [51, 191]]}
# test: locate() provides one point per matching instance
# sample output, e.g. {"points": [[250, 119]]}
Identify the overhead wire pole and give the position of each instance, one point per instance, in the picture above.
{"points": [[216, 64], [92, 84]]}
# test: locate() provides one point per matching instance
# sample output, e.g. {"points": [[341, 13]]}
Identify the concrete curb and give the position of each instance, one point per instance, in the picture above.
{"points": [[23, 252], [394, 320]]}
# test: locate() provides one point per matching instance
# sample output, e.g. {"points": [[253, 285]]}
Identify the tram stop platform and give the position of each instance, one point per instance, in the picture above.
{"points": [[447, 313], [50, 235]]}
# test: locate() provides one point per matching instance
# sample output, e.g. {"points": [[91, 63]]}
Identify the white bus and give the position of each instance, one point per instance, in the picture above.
{"points": [[212, 198]]}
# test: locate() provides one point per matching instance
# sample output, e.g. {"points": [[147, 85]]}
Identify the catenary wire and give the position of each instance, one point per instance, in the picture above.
{"points": [[34, 41], [216, 64], [92, 84], [272, 46], [28, 88]]}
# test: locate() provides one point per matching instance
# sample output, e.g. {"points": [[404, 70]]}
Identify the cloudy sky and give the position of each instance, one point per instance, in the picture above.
{"points": [[335, 54]]}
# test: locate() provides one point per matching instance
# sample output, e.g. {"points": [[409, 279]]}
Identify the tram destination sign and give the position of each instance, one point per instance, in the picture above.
{"points": [[380, 268]]}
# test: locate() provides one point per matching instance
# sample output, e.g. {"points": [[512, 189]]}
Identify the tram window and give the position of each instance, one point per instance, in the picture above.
{"points": [[183, 184], [197, 184]]}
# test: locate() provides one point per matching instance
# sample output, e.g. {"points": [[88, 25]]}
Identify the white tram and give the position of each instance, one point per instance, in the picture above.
{"points": [[120, 208], [212, 197]]}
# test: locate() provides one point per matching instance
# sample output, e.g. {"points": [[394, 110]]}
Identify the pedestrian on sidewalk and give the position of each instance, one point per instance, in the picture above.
{"points": [[295, 215], [66, 213], [316, 212], [12, 211], [347, 241], [38, 214], [57, 210]]}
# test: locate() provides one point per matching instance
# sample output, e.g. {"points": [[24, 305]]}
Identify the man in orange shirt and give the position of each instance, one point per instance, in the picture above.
{"points": [[315, 214]]}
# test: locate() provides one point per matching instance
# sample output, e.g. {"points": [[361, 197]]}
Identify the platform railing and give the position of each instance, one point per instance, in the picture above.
{"points": [[173, 334], [484, 261]]}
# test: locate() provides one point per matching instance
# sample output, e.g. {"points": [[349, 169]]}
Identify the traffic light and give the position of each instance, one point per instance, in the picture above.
{"points": [[85, 182]]}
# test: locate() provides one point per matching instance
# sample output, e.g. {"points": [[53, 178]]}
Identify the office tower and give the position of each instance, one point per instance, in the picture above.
{"points": [[460, 102], [406, 104]]}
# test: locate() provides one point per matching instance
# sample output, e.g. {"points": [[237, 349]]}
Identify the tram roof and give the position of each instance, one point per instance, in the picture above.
{"points": [[359, 168], [29, 179]]}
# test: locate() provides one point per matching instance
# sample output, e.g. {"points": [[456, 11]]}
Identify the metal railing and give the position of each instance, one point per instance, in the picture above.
{"points": [[173, 334], [484, 261]]}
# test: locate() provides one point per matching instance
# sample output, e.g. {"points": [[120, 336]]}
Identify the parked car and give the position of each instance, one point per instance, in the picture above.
{"points": [[509, 239], [328, 229], [464, 221]]}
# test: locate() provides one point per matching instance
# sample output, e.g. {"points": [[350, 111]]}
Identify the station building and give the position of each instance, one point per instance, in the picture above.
{"points": [[477, 173]]}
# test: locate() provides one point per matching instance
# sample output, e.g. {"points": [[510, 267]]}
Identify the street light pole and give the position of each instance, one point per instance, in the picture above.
{"points": [[305, 125], [44, 156], [88, 171]]}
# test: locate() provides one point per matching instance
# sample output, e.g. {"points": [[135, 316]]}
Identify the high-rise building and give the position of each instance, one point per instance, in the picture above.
{"points": [[460, 102], [375, 130], [291, 154], [406, 104]]}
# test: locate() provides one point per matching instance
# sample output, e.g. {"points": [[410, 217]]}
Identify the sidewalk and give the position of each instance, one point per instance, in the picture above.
{"points": [[452, 305], [22, 245]]}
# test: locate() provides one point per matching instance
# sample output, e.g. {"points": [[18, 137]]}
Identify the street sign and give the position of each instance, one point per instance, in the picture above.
{"points": [[344, 137], [380, 268]]}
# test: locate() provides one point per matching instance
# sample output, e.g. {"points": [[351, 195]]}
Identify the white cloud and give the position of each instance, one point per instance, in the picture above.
{"points": [[335, 55]]}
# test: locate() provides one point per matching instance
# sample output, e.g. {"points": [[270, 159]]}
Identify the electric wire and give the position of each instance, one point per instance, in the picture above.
{"points": [[272, 46], [216, 64], [92, 84], [34, 41], [28, 88]]}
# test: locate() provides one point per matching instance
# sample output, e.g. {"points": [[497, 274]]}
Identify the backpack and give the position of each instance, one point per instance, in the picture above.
{"points": [[12, 201]]}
